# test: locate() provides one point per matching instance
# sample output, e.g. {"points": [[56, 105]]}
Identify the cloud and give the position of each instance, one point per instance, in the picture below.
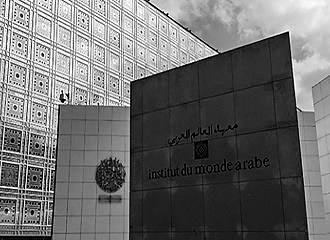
{"points": [[308, 22], [243, 21]]}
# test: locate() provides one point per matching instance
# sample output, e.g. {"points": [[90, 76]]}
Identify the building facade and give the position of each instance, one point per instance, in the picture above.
{"points": [[92, 140], [321, 99], [312, 177], [231, 145], [90, 49]]}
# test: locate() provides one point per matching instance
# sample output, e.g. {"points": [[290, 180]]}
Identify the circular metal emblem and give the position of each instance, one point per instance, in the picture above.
{"points": [[110, 175]]}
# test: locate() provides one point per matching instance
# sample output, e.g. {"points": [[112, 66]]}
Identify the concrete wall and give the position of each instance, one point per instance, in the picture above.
{"points": [[180, 118], [321, 99], [88, 135], [312, 177]]}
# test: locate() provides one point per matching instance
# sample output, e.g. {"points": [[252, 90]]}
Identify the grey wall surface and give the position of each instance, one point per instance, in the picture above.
{"points": [[176, 113], [321, 99], [317, 229], [87, 135]]}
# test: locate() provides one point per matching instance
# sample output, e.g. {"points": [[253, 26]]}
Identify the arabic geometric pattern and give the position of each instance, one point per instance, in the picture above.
{"points": [[15, 107], [52, 180], [43, 26], [54, 46], [50, 213], [86, 2], [141, 32], [174, 52], [114, 62], [1, 36], [2, 8], [114, 85], [110, 175], [199, 50], [37, 145], [99, 54], [19, 45], [163, 45], [140, 12], [80, 96], [81, 71], [32, 212], [128, 24], [46, 4], [34, 178], [99, 78], [13, 140], [128, 5], [99, 29], [42, 54], [83, 20], [153, 39], [163, 64], [152, 59], [21, 15], [141, 72], [55, 118], [126, 89], [7, 211], [39, 113], [82, 46], [128, 67], [191, 45], [152, 20], [115, 38], [53, 152], [141, 53], [9, 174], [17, 75], [63, 36], [128, 46], [183, 41], [114, 16], [97, 100], [100, 7], [173, 33], [183, 57], [201, 150], [40, 83], [63, 63], [163, 26], [64, 10]]}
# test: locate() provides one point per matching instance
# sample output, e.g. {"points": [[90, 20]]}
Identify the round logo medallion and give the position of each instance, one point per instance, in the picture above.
{"points": [[110, 175]]}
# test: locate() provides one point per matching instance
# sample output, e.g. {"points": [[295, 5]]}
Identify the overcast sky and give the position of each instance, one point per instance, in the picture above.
{"points": [[227, 24]]}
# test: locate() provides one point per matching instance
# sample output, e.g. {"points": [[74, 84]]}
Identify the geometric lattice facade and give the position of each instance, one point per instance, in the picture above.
{"points": [[321, 100], [91, 49], [317, 229]]}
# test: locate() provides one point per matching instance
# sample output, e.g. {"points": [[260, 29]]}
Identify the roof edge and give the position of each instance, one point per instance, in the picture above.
{"points": [[185, 28]]}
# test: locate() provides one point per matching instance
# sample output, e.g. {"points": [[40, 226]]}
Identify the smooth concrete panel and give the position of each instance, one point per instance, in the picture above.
{"points": [[221, 159], [280, 55], [254, 108], [88, 135], [215, 203], [183, 85], [251, 65], [321, 99], [218, 71]]}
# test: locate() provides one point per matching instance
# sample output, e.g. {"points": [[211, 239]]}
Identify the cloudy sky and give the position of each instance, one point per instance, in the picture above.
{"points": [[227, 24]]}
